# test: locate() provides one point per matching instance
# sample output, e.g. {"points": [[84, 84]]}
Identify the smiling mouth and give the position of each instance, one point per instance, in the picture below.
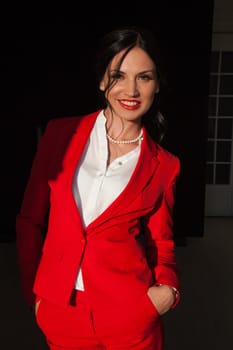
{"points": [[129, 104]]}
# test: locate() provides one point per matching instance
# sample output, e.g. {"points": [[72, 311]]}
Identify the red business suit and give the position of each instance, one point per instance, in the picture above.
{"points": [[117, 270]]}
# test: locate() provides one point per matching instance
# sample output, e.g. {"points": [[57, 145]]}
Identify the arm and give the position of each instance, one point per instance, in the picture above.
{"points": [[32, 217], [160, 247]]}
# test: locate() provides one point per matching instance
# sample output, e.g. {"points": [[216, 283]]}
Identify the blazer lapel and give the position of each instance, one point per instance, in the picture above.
{"points": [[144, 170], [70, 160], [78, 142]]}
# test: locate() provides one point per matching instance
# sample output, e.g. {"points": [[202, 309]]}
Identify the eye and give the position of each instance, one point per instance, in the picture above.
{"points": [[145, 77], [117, 76]]}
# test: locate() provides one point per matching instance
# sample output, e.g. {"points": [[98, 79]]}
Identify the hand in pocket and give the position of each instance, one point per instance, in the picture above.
{"points": [[162, 297], [36, 306]]}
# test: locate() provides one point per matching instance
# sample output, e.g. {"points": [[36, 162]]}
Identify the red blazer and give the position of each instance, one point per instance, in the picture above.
{"points": [[117, 261]]}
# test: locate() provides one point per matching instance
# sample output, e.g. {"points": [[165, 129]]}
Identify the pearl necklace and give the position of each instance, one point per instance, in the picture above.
{"points": [[140, 137]]}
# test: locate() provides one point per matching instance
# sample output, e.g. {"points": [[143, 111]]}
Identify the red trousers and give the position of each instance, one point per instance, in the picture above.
{"points": [[80, 326]]}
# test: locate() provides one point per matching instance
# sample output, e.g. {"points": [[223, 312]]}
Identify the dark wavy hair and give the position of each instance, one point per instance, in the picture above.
{"points": [[126, 38]]}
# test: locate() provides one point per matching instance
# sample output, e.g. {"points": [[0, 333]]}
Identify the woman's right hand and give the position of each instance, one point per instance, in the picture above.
{"points": [[162, 297], [36, 306]]}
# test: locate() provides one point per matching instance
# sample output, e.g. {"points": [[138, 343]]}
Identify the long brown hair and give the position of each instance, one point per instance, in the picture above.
{"points": [[127, 38]]}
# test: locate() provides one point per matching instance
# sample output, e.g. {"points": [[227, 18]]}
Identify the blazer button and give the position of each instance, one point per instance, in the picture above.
{"points": [[82, 240]]}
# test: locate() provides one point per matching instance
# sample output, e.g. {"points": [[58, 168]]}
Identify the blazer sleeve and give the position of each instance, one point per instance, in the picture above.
{"points": [[31, 220], [158, 228]]}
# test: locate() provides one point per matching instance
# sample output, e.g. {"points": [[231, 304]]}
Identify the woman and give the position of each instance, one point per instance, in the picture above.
{"points": [[102, 189]]}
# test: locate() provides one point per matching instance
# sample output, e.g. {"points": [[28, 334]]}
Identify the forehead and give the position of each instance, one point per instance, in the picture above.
{"points": [[135, 59]]}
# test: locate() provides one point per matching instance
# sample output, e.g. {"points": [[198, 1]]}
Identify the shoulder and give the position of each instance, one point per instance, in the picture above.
{"points": [[166, 155], [169, 162], [162, 154], [66, 124]]}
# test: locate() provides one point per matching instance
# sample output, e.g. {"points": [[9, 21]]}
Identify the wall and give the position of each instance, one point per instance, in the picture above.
{"points": [[219, 163], [223, 25], [44, 57]]}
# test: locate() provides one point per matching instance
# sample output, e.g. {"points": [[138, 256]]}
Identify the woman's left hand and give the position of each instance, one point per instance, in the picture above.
{"points": [[162, 296], [36, 306]]}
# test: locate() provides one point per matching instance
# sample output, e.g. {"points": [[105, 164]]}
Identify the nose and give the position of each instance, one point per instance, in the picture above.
{"points": [[131, 88]]}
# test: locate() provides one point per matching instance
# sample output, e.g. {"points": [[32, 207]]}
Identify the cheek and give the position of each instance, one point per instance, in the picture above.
{"points": [[148, 100], [149, 91], [150, 97], [113, 92]]}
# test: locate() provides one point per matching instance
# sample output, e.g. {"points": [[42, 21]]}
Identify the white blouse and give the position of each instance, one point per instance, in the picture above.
{"points": [[96, 185]]}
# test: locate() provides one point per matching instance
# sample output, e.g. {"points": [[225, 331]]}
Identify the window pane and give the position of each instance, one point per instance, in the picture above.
{"points": [[227, 62], [211, 127], [213, 84], [222, 174], [223, 152], [224, 128], [226, 85], [210, 151], [212, 106], [209, 174], [226, 106], [214, 61]]}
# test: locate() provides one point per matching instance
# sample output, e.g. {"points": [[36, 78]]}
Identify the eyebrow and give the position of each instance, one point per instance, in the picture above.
{"points": [[148, 71], [142, 72]]}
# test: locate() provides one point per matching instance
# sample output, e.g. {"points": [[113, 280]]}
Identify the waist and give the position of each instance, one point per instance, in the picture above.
{"points": [[78, 297]]}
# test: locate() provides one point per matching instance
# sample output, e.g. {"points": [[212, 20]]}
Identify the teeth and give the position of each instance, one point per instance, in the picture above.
{"points": [[129, 103]]}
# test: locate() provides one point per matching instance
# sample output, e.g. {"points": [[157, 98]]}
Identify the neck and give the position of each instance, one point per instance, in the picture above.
{"points": [[125, 141], [120, 130]]}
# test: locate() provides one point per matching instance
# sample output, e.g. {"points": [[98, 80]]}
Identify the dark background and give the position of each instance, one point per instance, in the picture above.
{"points": [[46, 70]]}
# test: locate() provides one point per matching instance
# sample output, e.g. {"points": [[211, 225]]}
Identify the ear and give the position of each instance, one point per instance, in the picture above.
{"points": [[102, 86]]}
